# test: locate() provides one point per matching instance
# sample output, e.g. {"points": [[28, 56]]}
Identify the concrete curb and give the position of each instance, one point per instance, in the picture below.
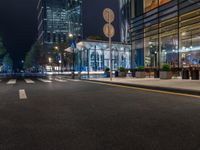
{"points": [[167, 89]]}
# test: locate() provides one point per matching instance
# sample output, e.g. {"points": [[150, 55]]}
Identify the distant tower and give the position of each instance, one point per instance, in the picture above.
{"points": [[58, 18], [125, 16]]}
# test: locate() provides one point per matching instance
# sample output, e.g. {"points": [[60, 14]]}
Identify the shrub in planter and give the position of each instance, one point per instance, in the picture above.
{"points": [[140, 73], [166, 72], [185, 74], [107, 72], [122, 72], [195, 74], [133, 71]]}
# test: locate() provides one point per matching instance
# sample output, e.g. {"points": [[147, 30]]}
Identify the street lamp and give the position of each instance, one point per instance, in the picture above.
{"points": [[50, 62], [73, 47], [50, 59], [56, 48], [60, 61], [71, 35]]}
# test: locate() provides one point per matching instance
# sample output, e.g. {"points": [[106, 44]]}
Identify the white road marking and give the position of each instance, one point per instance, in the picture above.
{"points": [[74, 80], [44, 80], [12, 81], [22, 94], [60, 80], [29, 81]]}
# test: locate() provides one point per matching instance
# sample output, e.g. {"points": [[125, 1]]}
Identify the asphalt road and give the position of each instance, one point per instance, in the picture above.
{"points": [[77, 115]]}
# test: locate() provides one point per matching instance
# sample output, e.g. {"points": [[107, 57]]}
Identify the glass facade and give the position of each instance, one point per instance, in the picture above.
{"points": [[165, 32], [58, 18], [95, 56], [125, 16]]}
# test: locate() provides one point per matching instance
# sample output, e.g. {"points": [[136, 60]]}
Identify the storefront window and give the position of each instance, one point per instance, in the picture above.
{"points": [[190, 47], [190, 39], [139, 52], [151, 51], [169, 49]]}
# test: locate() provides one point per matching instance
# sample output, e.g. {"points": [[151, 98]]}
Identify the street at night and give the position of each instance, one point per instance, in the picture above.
{"points": [[66, 114], [99, 74]]}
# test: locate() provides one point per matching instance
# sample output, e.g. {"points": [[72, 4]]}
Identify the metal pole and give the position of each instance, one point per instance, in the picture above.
{"points": [[61, 63], [73, 76], [110, 47]]}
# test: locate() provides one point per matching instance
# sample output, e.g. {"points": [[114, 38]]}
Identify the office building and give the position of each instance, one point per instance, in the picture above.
{"points": [[57, 19], [165, 32]]}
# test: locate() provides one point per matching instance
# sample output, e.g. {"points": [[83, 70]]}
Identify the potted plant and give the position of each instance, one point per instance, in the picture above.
{"points": [[140, 73], [122, 72], [185, 73], [166, 72], [194, 74], [107, 72]]}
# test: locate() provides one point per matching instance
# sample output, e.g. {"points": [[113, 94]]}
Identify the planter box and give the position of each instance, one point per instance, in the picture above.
{"points": [[122, 74], [156, 74], [195, 74], [165, 75], [106, 74], [140, 74], [185, 74]]}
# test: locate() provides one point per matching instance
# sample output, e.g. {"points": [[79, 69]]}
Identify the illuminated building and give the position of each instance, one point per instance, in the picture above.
{"points": [[57, 19], [165, 32]]}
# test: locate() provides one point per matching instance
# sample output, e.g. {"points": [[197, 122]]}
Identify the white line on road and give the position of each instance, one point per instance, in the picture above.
{"points": [[12, 81], [44, 80], [29, 81], [22, 94], [75, 80], [60, 80]]}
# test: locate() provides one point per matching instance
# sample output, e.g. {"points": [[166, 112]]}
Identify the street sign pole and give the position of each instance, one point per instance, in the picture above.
{"points": [[110, 47], [109, 32]]}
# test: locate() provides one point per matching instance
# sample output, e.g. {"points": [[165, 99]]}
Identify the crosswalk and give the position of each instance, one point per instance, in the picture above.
{"points": [[31, 81], [12, 81], [45, 80]]}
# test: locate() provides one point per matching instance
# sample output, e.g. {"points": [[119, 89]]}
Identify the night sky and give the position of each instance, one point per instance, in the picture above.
{"points": [[18, 25]]}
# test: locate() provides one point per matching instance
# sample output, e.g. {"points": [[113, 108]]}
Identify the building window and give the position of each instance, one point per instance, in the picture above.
{"points": [[151, 51], [169, 49], [151, 4], [169, 42], [190, 39]]}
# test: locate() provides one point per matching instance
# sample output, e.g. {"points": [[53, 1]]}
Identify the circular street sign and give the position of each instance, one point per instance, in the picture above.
{"points": [[109, 30], [108, 15]]}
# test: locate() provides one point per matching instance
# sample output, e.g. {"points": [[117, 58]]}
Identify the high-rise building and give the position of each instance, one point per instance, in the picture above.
{"points": [[57, 19], [166, 32]]}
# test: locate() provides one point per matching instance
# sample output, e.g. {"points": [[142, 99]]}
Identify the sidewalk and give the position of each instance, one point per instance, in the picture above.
{"points": [[173, 85]]}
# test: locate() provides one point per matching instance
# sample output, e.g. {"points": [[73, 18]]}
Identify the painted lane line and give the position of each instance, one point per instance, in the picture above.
{"points": [[44, 80], [60, 80], [22, 94], [29, 81], [12, 81], [145, 89], [74, 80]]}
